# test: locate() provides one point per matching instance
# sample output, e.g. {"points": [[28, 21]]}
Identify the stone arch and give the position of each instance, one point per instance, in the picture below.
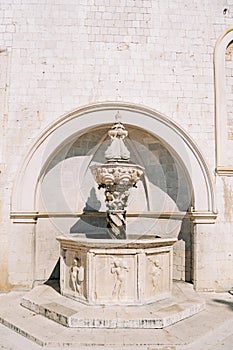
{"points": [[23, 198], [24, 209]]}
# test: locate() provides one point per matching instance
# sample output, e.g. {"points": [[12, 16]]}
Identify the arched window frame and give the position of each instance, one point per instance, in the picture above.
{"points": [[223, 165]]}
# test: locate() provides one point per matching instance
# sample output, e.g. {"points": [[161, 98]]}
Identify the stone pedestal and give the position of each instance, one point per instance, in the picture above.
{"points": [[110, 272]]}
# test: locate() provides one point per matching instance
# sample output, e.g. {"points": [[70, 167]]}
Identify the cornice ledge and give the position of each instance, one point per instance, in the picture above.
{"points": [[224, 171], [24, 217], [201, 217]]}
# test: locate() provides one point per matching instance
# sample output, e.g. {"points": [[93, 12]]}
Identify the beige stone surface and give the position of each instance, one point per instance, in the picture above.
{"points": [[57, 57], [212, 328]]}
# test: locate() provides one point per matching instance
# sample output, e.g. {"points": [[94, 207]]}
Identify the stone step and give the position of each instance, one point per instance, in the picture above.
{"points": [[45, 301], [48, 333]]}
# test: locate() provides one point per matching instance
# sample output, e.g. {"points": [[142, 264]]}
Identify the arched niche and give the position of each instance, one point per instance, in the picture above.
{"points": [[56, 147], [66, 185], [80, 121]]}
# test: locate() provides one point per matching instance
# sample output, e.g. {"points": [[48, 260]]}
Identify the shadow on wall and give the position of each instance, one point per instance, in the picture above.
{"points": [[54, 279], [185, 235], [91, 223], [162, 169]]}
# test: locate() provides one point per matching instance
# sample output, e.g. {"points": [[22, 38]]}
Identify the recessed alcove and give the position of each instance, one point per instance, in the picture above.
{"points": [[54, 192], [72, 204], [108, 257]]}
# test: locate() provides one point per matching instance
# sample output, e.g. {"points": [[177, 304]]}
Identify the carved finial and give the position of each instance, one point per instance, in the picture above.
{"points": [[118, 117], [117, 151]]}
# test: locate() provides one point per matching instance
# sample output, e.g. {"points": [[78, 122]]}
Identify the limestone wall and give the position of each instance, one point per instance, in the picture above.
{"points": [[58, 55]]}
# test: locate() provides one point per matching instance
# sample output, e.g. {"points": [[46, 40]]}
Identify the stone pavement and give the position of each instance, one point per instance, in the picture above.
{"points": [[210, 329]]}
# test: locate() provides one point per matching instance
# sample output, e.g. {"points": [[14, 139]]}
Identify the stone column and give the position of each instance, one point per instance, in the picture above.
{"points": [[22, 265], [204, 252]]}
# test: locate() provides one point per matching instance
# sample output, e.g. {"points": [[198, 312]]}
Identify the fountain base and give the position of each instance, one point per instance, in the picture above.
{"points": [[116, 272]]}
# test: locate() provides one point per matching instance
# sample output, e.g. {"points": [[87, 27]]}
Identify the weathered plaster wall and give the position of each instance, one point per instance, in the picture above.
{"points": [[58, 55]]}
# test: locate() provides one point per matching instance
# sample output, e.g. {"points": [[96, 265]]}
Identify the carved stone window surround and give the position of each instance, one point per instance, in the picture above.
{"points": [[222, 164]]}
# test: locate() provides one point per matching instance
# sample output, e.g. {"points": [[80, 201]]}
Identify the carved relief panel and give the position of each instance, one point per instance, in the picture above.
{"points": [[115, 278], [74, 274], [157, 279]]}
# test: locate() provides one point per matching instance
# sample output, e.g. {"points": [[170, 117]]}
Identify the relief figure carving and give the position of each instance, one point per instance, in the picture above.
{"points": [[119, 269], [77, 275], [155, 273]]}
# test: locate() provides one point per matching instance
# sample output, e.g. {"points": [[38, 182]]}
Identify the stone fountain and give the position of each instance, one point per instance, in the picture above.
{"points": [[117, 282], [117, 270]]}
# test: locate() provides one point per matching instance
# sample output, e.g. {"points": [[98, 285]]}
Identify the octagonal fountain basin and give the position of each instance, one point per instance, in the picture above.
{"points": [[116, 272]]}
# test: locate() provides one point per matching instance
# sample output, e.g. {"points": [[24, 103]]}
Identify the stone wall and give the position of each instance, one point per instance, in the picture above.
{"points": [[59, 55]]}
